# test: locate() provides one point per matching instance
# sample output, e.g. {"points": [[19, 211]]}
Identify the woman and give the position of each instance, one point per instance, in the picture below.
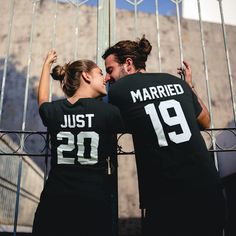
{"points": [[76, 197]]}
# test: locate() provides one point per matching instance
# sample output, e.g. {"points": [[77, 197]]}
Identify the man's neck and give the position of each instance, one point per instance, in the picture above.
{"points": [[141, 71]]}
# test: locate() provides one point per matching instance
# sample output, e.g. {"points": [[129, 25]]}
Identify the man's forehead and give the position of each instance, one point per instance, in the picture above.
{"points": [[111, 61], [111, 58]]}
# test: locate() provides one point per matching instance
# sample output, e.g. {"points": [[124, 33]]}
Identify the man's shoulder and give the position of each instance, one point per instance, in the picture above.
{"points": [[159, 75], [137, 76], [155, 79], [141, 78]]}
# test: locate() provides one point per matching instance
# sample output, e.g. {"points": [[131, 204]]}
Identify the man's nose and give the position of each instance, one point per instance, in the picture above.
{"points": [[107, 78]]}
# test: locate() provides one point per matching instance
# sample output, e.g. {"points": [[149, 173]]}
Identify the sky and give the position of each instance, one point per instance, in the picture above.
{"points": [[165, 7]]}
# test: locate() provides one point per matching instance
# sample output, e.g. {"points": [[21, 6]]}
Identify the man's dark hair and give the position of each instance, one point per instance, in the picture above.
{"points": [[138, 51]]}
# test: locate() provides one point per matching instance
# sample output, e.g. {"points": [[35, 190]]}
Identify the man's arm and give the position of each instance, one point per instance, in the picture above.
{"points": [[204, 118], [44, 83]]}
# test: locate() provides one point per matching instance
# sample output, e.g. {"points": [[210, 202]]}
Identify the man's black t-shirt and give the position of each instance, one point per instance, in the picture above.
{"points": [[160, 110], [82, 138]]}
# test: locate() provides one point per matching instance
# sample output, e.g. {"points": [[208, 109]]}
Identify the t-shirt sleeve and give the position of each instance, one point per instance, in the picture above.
{"points": [[196, 104], [114, 99], [113, 95], [44, 113], [110, 97], [117, 121]]}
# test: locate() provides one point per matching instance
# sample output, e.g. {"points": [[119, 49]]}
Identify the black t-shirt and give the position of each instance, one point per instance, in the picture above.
{"points": [[82, 136], [160, 110]]}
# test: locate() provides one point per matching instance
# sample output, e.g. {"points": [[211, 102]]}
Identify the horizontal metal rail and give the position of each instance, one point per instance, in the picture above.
{"points": [[120, 150]]}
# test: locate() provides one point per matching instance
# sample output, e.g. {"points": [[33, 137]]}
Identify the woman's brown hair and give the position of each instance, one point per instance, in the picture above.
{"points": [[69, 74]]}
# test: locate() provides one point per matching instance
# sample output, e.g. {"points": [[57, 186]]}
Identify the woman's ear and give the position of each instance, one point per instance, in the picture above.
{"points": [[86, 77]]}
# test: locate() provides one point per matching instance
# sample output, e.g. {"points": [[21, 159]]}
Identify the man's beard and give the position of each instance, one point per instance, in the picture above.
{"points": [[123, 72]]}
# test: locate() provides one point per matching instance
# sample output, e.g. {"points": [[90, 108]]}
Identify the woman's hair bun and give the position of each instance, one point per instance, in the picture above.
{"points": [[59, 72]]}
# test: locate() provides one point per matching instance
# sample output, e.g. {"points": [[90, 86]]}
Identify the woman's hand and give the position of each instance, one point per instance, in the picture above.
{"points": [[51, 57]]}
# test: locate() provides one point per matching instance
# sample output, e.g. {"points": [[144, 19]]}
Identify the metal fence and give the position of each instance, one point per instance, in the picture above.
{"points": [[87, 33], [21, 181]]}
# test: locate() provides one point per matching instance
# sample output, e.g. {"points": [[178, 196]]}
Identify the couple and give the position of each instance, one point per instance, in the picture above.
{"points": [[178, 183]]}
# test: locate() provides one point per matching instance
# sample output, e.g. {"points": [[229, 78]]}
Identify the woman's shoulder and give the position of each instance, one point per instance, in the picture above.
{"points": [[52, 104], [104, 103]]}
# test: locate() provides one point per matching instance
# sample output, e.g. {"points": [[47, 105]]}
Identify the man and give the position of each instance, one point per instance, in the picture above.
{"points": [[178, 183]]}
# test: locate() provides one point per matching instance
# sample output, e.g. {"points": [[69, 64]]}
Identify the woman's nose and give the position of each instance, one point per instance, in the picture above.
{"points": [[107, 78]]}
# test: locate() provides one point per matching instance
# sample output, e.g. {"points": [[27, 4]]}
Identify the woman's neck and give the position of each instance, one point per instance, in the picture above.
{"points": [[80, 93]]}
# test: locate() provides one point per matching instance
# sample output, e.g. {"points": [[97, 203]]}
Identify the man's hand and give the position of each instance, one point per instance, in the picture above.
{"points": [[187, 73]]}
